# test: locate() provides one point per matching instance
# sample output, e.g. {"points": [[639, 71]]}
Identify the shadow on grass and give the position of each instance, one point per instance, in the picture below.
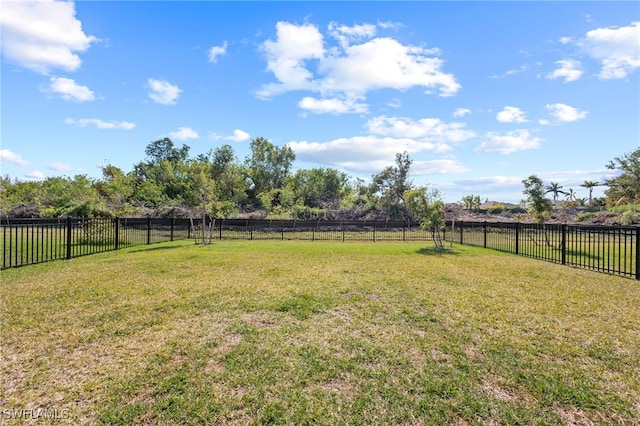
{"points": [[431, 251], [152, 248]]}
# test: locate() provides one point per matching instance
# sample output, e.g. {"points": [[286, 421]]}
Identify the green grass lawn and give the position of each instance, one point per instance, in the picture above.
{"points": [[274, 332]]}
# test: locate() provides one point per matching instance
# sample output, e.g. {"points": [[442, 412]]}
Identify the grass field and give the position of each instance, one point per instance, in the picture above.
{"points": [[284, 332]]}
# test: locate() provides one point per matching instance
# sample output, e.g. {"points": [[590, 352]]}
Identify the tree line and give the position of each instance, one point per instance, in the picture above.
{"points": [[169, 181]]}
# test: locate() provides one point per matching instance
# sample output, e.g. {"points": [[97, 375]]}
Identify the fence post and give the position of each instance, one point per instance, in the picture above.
{"points": [[148, 230], [68, 237], [564, 243], [484, 231], [637, 252], [404, 226], [173, 221], [117, 219], [517, 237], [460, 225]]}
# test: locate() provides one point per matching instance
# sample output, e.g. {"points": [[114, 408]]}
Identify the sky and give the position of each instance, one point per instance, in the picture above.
{"points": [[481, 95]]}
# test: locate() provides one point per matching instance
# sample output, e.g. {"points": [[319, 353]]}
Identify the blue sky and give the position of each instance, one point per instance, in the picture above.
{"points": [[481, 94]]}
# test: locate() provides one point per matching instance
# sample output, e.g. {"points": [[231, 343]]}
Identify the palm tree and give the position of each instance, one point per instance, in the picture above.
{"points": [[570, 195], [555, 188], [590, 184]]}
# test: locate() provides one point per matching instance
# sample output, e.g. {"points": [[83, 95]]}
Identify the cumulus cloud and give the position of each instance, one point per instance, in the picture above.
{"points": [[569, 69], [43, 35], [437, 167], [302, 60], [332, 106], [357, 149], [69, 90], [35, 175], [59, 167], [184, 133], [508, 142], [237, 136], [8, 156], [461, 112], [565, 113], [347, 35], [286, 57], [431, 129], [217, 51], [100, 124], [511, 115], [163, 92], [617, 49]]}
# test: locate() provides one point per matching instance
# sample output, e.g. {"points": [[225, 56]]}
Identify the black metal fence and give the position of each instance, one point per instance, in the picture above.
{"points": [[312, 230], [610, 249], [31, 241]]}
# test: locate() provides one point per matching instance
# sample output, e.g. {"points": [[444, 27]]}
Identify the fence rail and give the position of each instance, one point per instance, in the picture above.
{"points": [[609, 249]]}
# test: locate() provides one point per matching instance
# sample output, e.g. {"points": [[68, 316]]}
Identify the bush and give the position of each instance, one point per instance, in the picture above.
{"points": [[585, 216]]}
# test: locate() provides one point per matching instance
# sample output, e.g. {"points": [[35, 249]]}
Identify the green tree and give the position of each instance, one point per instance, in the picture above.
{"points": [[427, 206], [163, 178], [625, 187], [319, 187], [268, 166], [115, 188], [538, 206], [391, 184]]}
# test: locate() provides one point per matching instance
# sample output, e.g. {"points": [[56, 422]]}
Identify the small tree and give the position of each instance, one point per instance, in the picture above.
{"points": [[428, 207], [538, 206]]}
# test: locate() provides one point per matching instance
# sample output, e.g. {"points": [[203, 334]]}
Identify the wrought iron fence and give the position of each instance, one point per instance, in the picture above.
{"points": [[609, 249], [31, 241]]}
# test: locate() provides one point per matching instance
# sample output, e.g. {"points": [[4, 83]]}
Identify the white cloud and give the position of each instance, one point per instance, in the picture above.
{"points": [[332, 106], [565, 40], [299, 60], [347, 35], [237, 136], [437, 167], [286, 57], [461, 112], [35, 175], [184, 133], [569, 69], [565, 113], [384, 63], [427, 129], [506, 143], [361, 154], [395, 103], [617, 49], [69, 90], [100, 124], [8, 156], [217, 51], [59, 167], [43, 35], [511, 115], [163, 92]]}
